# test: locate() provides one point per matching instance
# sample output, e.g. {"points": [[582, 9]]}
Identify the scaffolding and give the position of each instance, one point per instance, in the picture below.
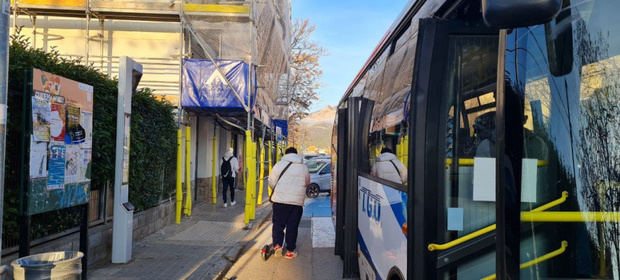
{"points": [[254, 31], [161, 34]]}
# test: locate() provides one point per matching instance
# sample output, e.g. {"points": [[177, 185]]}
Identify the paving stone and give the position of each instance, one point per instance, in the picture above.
{"points": [[195, 249]]}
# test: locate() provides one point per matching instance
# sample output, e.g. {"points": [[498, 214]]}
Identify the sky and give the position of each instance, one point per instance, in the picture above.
{"points": [[349, 30]]}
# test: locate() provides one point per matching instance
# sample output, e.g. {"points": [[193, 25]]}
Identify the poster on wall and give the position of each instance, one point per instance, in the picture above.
{"points": [[56, 173], [38, 159], [41, 111], [57, 122], [73, 164], [86, 120], [60, 143]]}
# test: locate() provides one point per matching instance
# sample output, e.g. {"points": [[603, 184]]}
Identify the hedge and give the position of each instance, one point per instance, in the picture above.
{"points": [[152, 147]]}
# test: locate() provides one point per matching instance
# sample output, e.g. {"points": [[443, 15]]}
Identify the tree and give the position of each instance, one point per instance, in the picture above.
{"points": [[305, 73]]}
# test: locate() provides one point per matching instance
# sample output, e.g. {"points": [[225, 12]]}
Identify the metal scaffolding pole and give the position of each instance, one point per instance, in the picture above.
{"points": [[4, 80]]}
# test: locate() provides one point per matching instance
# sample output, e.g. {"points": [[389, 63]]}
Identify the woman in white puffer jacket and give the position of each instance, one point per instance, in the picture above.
{"points": [[288, 181], [389, 167]]}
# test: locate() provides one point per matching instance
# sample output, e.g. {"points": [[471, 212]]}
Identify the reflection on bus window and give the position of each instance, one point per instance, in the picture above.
{"points": [[571, 139], [388, 150]]}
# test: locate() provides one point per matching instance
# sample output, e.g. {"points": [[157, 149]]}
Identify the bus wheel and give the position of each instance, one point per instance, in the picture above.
{"points": [[312, 191], [395, 274]]}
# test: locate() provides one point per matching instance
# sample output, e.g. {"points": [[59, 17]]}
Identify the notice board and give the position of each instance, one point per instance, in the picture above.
{"points": [[60, 148]]}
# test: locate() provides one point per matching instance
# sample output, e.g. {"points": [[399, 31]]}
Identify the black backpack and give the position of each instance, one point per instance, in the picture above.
{"points": [[226, 169]]}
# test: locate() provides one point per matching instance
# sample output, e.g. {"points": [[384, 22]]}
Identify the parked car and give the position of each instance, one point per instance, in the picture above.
{"points": [[320, 177], [309, 157]]}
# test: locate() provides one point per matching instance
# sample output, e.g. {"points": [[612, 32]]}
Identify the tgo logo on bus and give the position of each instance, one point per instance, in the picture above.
{"points": [[371, 204]]}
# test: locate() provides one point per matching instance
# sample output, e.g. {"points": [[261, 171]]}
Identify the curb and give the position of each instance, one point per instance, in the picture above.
{"points": [[242, 246]]}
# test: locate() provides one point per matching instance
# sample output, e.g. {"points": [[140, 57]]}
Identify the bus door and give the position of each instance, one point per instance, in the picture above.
{"points": [[452, 155]]}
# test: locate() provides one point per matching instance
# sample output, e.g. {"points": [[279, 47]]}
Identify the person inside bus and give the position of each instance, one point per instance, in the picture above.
{"points": [[388, 167], [288, 180], [484, 129]]}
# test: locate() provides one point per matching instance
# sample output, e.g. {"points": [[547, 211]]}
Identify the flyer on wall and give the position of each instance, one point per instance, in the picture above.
{"points": [[86, 121], [41, 112], [38, 159], [75, 131], [73, 159], [56, 167], [57, 122]]}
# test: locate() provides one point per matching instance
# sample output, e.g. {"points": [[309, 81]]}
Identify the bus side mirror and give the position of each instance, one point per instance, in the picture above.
{"points": [[519, 13], [559, 39]]}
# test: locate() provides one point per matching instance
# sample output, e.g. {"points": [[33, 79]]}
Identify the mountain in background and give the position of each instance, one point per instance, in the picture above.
{"points": [[316, 129]]}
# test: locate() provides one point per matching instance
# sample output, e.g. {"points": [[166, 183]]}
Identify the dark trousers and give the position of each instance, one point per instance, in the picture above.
{"points": [[229, 183], [286, 216]]}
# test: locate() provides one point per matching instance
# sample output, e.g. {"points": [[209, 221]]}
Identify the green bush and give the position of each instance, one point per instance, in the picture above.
{"points": [[152, 146]]}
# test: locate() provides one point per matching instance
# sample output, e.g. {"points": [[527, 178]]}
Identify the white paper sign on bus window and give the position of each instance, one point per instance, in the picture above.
{"points": [[484, 179]]}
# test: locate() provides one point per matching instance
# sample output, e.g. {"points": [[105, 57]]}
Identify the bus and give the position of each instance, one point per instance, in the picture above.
{"points": [[507, 116]]}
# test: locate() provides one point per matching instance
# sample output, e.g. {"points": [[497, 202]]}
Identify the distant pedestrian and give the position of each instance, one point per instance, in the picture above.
{"points": [[388, 167], [288, 180], [228, 172]]}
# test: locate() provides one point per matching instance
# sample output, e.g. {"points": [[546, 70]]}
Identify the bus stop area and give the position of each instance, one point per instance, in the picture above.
{"points": [[213, 244]]}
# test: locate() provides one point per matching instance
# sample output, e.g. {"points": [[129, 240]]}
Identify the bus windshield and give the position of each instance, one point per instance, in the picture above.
{"points": [[570, 112]]}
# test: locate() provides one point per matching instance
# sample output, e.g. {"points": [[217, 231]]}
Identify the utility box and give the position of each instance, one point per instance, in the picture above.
{"points": [[129, 77]]}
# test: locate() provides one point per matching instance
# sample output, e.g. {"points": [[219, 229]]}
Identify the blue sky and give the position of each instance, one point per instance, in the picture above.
{"points": [[349, 31]]}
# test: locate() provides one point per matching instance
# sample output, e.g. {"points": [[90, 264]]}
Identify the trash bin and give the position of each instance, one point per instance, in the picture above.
{"points": [[55, 266]]}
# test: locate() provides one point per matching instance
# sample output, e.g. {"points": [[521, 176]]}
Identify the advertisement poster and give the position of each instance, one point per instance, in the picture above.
{"points": [[38, 162], [73, 162], [87, 155], [75, 131], [56, 167], [57, 122], [86, 121], [41, 112], [61, 143]]}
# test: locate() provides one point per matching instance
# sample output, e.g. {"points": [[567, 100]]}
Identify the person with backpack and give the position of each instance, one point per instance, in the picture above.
{"points": [[228, 171], [388, 167], [288, 180]]}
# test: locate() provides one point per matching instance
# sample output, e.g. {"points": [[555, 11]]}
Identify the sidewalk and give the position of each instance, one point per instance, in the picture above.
{"points": [[316, 259], [201, 247]]}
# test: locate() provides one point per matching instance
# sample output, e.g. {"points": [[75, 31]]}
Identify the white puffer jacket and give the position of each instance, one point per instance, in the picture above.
{"points": [[384, 168], [291, 188]]}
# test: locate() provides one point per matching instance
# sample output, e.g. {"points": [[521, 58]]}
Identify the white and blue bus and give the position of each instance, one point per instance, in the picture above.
{"points": [[507, 116]]}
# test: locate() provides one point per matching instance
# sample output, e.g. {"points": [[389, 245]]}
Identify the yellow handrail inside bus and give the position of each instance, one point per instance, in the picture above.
{"points": [[571, 217], [538, 260], [460, 240], [470, 236], [470, 162], [552, 203]]}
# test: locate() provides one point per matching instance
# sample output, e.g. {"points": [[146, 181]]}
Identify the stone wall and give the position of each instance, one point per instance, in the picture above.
{"points": [[100, 237], [205, 193]]}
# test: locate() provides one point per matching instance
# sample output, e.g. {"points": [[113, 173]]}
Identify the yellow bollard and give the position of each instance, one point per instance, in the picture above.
{"points": [[188, 180], [261, 173], [214, 170], [252, 179], [406, 151], [179, 189], [248, 196], [269, 164]]}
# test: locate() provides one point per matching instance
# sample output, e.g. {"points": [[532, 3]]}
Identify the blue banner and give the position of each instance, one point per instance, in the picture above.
{"points": [[283, 125], [203, 87]]}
